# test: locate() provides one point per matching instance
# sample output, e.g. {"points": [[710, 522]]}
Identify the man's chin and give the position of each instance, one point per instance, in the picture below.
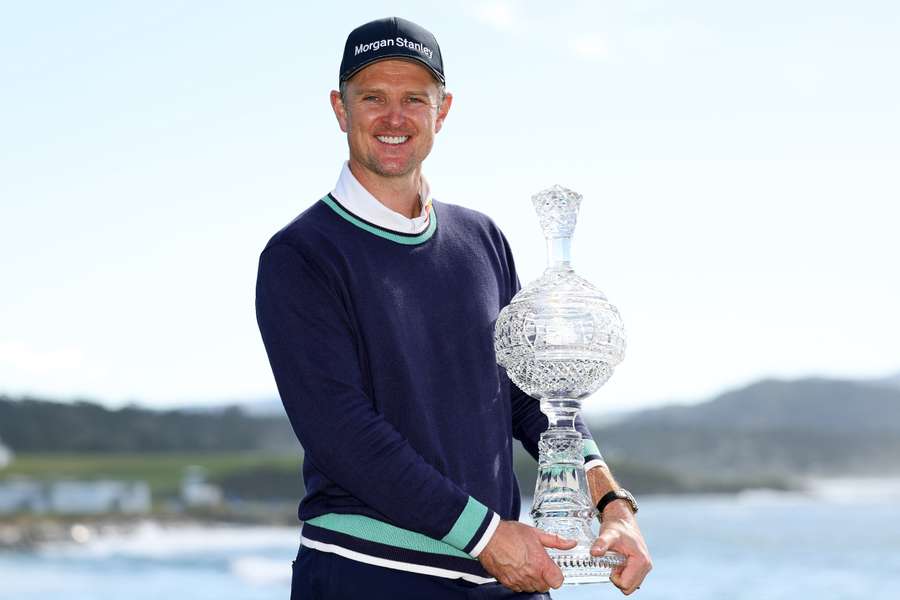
{"points": [[383, 169]]}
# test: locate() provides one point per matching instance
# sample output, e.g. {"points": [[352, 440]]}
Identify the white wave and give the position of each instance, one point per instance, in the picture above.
{"points": [[873, 490], [856, 489], [150, 539], [261, 570], [755, 496]]}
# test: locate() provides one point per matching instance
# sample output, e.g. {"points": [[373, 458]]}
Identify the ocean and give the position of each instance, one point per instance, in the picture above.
{"points": [[840, 542]]}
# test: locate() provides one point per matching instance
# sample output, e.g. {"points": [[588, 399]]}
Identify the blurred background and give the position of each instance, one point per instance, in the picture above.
{"points": [[740, 166]]}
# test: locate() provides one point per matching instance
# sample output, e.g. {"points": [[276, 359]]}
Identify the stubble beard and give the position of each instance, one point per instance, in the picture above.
{"points": [[372, 163]]}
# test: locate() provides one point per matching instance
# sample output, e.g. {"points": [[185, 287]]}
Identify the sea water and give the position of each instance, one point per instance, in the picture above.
{"points": [[841, 542]]}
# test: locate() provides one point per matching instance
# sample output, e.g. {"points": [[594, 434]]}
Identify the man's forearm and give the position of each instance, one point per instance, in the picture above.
{"points": [[600, 481]]}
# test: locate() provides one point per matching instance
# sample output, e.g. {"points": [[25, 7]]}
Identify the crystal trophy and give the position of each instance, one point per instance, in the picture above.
{"points": [[559, 340]]}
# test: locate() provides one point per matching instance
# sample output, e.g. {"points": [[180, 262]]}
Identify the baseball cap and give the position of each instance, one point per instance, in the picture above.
{"points": [[391, 37]]}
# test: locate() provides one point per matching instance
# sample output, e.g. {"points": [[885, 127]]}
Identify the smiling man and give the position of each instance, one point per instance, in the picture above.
{"points": [[376, 306]]}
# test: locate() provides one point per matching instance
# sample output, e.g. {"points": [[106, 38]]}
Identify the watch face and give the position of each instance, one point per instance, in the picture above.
{"points": [[628, 497], [631, 501]]}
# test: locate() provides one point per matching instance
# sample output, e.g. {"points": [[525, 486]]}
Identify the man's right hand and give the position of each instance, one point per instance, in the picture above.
{"points": [[515, 555]]}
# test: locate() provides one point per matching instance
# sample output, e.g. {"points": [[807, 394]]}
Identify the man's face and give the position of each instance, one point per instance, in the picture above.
{"points": [[391, 111]]}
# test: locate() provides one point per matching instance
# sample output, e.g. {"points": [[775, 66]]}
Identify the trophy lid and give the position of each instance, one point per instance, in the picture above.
{"points": [[557, 210]]}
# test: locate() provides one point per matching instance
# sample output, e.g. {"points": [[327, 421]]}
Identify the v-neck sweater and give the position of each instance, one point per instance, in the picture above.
{"points": [[381, 344]]}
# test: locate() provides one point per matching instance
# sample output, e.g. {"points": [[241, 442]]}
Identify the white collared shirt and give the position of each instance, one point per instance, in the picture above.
{"points": [[357, 199]]}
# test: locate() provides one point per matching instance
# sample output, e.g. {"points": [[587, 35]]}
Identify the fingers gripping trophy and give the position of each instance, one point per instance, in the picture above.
{"points": [[559, 340]]}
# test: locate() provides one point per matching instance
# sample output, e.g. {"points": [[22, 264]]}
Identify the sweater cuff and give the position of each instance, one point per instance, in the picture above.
{"points": [[488, 534], [473, 528], [591, 453]]}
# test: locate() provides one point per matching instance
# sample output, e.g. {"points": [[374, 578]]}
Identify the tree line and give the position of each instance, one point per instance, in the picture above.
{"points": [[29, 424]]}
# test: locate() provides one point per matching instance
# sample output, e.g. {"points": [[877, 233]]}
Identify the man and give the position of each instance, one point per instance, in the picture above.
{"points": [[376, 306]]}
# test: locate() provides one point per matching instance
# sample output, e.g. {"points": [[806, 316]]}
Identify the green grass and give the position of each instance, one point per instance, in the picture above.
{"points": [[163, 472]]}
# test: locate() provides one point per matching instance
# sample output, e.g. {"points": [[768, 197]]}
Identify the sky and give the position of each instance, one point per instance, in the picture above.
{"points": [[739, 162]]}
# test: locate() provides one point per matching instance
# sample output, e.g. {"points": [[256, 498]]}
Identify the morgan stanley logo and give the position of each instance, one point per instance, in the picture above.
{"points": [[402, 42]]}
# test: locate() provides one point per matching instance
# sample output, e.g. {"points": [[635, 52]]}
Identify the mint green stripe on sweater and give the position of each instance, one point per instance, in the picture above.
{"points": [[373, 530], [400, 239], [590, 448], [467, 524]]}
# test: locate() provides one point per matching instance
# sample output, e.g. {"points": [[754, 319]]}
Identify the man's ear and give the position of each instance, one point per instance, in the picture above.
{"points": [[443, 109], [340, 111]]}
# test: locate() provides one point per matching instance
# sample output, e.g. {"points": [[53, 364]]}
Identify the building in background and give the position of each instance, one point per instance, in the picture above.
{"points": [[99, 497], [196, 492], [18, 495], [69, 497], [6, 455]]}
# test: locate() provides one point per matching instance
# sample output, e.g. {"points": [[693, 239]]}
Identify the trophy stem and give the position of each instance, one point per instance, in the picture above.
{"points": [[561, 413], [559, 253], [562, 503], [561, 490]]}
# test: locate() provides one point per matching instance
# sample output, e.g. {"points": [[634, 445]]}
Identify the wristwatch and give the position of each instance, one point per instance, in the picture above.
{"points": [[619, 494]]}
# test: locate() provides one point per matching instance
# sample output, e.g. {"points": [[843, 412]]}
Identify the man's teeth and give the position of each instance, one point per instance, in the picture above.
{"points": [[390, 139]]}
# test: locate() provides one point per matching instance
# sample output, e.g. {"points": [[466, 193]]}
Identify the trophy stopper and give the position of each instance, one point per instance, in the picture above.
{"points": [[557, 210]]}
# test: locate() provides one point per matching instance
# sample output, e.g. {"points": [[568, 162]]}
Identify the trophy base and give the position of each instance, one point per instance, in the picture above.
{"points": [[562, 503], [579, 566]]}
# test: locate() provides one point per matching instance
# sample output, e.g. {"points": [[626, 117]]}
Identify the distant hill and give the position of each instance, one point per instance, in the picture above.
{"points": [[891, 381], [825, 405], [802, 427], [257, 407]]}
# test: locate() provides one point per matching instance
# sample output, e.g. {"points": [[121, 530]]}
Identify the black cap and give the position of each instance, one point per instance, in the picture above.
{"points": [[392, 37]]}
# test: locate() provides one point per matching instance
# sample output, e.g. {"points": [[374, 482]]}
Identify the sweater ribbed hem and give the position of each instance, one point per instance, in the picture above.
{"points": [[429, 556]]}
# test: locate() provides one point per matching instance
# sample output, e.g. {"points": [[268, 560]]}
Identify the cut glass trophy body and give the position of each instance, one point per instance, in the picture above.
{"points": [[559, 340]]}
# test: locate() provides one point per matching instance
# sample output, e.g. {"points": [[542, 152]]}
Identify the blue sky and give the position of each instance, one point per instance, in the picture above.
{"points": [[739, 164]]}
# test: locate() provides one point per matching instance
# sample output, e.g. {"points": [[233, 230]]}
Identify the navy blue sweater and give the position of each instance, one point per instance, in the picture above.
{"points": [[381, 344]]}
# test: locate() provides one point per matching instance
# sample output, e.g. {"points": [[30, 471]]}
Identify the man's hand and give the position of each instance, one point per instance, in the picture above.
{"points": [[515, 555], [619, 532]]}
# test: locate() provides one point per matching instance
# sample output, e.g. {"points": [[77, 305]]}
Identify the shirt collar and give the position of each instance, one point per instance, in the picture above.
{"points": [[357, 199]]}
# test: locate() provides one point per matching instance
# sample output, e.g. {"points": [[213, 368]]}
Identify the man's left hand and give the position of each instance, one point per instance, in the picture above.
{"points": [[619, 532]]}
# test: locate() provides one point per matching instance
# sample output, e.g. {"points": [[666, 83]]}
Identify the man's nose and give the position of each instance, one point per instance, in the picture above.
{"points": [[395, 113]]}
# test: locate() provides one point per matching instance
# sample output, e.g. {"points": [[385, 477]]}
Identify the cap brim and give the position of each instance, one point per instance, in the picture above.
{"points": [[438, 76]]}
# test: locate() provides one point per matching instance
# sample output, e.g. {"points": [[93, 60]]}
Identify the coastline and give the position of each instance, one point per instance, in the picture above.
{"points": [[28, 532], [24, 532]]}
